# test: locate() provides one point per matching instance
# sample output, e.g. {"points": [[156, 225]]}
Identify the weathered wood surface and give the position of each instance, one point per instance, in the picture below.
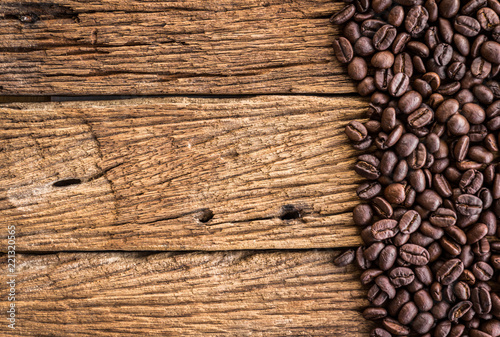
{"points": [[192, 294], [141, 172], [81, 47]]}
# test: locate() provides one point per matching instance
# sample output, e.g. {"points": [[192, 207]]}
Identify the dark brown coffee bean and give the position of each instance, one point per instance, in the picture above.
{"points": [[480, 154], [443, 217], [457, 234], [416, 20], [445, 30], [384, 229], [483, 94], [468, 204], [423, 323], [398, 84], [364, 46], [400, 42], [372, 252], [388, 119], [400, 171], [467, 25], [414, 254], [362, 214], [447, 109], [480, 68], [403, 64], [441, 185], [385, 285], [401, 276], [361, 261], [407, 313], [369, 275], [487, 18], [481, 300], [396, 16], [442, 54], [395, 193], [490, 51], [429, 200], [369, 190], [395, 328], [461, 290], [356, 131], [344, 15], [456, 71], [450, 246], [343, 50], [352, 31], [482, 271], [423, 300], [459, 310], [474, 113], [387, 257], [382, 207], [374, 313], [472, 6], [458, 125], [345, 258], [471, 181], [409, 222], [406, 144], [450, 271], [383, 60], [357, 69], [384, 37], [421, 117], [449, 8]]}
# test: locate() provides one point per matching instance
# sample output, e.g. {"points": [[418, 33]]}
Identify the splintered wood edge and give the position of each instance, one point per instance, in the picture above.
{"points": [[267, 172], [162, 47], [189, 294]]}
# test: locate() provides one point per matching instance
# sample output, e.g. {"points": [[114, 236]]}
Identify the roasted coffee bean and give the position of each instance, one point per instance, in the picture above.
{"points": [[467, 204], [357, 69], [382, 207], [343, 15], [482, 271], [399, 43], [372, 252], [384, 229], [395, 327], [423, 323], [409, 222], [378, 332], [461, 290], [414, 254], [384, 37], [369, 190], [407, 313], [459, 310], [429, 200], [442, 54], [398, 85], [406, 144], [443, 217], [345, 258], [356, 131], [362, 214], [481, 300], [490, 51], [343, 50], [395, 193], [476, 233], [467, 25], [368, 276], [471, 181], [374, 313], [416, 20], [403, 64], [450, 271], [385, 285], [401, 276]]}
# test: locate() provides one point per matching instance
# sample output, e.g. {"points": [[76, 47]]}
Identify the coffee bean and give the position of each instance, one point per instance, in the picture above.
{"points": [[411, 101], [446, 110], [468, 204], [429, 200], [423, 323], [481, 300], [414, 254], [395, 327], [378, 332], [369, 190], [382, 207], [345, 258], [443, 217], [374, 313], [398, 84], [409, 222], [450, 271], [362, 214], [401, 276], [343, 15], [357, 69], [458, 125], [471, 181], [416, 20], [384, 229], [421, 117], [461, 290], [384, 37], [406, 144], [442, 54], [482, 271], [490, 51], [459, 310], [467, 25]]}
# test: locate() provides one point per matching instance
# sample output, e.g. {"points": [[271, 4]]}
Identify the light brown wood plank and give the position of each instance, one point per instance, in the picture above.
{"points": [[81, 47], [149, 167], [195, 294]]}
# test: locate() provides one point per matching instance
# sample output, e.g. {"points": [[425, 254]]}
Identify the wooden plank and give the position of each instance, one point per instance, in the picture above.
{"points": [[140, 174], [81, 47], [194, 294]]}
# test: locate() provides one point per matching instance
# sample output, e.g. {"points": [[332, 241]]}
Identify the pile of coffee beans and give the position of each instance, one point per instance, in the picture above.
{"points": [[431, 255]]}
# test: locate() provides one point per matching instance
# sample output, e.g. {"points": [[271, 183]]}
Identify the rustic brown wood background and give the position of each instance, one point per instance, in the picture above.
{"points": [[125, 124]]}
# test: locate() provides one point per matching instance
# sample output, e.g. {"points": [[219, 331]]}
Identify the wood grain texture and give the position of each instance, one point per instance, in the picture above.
{"points": [[147, 168], [81, 47], [192, 294]]}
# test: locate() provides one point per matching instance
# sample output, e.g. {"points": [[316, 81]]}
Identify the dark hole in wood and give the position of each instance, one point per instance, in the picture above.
{"points": [[205, 215], [290, 212], [67, 182]]}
